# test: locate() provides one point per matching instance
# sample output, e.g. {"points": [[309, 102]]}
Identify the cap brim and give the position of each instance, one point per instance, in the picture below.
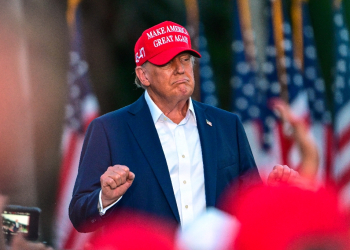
{"points": [[165, 56]]}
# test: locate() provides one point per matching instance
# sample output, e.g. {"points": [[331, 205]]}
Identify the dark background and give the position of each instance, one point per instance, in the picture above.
{"points": [[111, 29]]}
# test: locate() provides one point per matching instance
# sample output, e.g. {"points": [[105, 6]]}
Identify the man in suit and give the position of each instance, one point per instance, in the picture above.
{"points": [[165, 154]]}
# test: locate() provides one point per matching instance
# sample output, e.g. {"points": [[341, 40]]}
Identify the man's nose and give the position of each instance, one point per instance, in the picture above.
{"points": [[179, 66]]}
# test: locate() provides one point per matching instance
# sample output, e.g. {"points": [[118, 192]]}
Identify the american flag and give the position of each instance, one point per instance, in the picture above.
{"points": [[342, 105], [270, 89], [206, 73], [321, 120], [281, 77], [275, 148], [81, 109], [246, 99], [297, 94]]}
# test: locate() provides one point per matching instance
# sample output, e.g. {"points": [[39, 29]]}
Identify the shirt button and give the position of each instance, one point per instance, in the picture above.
{"points": [[186, 206], [164, 119], [184, 182], [183, 156]]}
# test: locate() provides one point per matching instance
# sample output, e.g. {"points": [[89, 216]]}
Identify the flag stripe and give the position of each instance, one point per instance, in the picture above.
{"points": [[345, 178], [329, 153], [81, 109], [72, 236], [298, 41], [344, 139], [67, 163]]}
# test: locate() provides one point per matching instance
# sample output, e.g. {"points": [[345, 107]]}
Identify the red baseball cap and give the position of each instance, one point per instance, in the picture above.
{"points": [[161, 43]]}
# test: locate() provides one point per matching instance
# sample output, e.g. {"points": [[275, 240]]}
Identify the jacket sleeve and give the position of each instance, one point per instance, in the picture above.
{"points": [[248, 172], [94, 160]]}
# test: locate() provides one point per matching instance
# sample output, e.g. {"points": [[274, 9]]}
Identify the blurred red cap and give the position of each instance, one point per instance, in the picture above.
{"points": [[133, 231], [277, 218]]}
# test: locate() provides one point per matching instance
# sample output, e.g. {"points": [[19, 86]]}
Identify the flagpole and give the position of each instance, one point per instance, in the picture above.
{"points": [[298, 43], [337, 3], [192, 16], [279, 38], [247, 31]]}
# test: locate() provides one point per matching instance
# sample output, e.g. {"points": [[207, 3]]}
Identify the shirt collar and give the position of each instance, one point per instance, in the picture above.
{"points": [[156, 112]]}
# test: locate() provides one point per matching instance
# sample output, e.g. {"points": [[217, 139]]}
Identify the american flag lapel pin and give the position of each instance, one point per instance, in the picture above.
{"points": [[209, 123]]}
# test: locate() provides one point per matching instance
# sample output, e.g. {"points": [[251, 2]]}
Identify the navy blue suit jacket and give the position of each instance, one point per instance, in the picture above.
{"points": [[128, 137]]}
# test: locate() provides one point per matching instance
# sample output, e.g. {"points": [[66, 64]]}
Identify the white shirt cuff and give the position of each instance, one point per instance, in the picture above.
{"points": [[100, 207]]}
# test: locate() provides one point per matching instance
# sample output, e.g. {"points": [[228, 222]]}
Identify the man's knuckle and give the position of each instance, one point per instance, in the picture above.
{"points": [[118, 177]]}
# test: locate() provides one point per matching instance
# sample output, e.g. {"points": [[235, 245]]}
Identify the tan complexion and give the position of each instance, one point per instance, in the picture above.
{"points": [[170, 86]]}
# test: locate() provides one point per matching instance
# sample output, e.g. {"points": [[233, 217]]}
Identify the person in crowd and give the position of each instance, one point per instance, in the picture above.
{"points": [[289, 217], [299, 131], [133, 230], [18, 242], [165, 154]]}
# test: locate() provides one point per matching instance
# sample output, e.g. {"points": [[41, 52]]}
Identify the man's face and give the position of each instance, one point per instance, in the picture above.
{"points": [[172, 81]]}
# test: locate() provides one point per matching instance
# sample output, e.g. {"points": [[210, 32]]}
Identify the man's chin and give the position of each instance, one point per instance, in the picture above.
{"points": [[185, 90]]}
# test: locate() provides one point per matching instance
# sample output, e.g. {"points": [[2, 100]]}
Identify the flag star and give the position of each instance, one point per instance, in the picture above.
{"points": [[287, 28], [310, 52], [298, 80], [74, 91], [268, 67], [271, 51], [287, 62], [338, 20], [236, 82], [74, 58], [205, 57], [243, 68], [254, 111], [237, 46], [340, 82], [248, 89], [327, 117], [209, 86], [287, 43], [319, 85], [311, 94], [211, 100], [206, 72], [343, 50], [344, 34], [202, 42], [275, 87], [308, 31], [310, 72], [241, 103], [341, 66], [319, 105]]}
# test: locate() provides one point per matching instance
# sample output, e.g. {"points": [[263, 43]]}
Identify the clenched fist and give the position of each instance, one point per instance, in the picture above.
{"points": [[114, 183], [282, 174]]}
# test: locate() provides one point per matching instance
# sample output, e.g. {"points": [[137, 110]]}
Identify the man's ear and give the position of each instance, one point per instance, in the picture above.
{"points": [[141, 74]]}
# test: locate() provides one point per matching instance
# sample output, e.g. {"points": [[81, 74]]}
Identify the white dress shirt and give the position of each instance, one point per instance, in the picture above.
{"points": [[183, 154]]}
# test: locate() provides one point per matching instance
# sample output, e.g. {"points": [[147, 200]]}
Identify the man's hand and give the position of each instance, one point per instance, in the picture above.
{"points": [[114, 183], [282, 174]]}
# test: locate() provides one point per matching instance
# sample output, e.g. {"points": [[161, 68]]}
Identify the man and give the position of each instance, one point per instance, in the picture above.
{"points": [[165, 154]]}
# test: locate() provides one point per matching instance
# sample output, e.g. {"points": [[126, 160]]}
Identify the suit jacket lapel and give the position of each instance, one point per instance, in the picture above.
{"points": [[142, 126], [207, 135]]}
